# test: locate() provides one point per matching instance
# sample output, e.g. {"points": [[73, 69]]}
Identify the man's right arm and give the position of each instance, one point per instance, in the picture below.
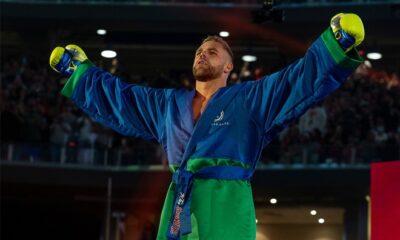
{"points": [[129, 109]]}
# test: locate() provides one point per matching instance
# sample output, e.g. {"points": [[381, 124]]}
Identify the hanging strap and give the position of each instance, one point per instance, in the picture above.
{"points": [[180, 221]]}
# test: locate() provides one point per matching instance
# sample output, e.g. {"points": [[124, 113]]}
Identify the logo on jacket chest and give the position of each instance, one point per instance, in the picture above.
{"points": [[219, 120]]}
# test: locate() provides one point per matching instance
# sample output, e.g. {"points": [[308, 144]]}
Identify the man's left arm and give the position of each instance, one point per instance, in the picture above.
{"points": [[283, 96]]}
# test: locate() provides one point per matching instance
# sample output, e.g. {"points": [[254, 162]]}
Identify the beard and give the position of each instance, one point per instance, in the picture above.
{"points": [[206, 72]]}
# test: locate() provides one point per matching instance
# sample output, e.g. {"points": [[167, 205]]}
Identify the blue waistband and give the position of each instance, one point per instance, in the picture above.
{"points": [[180, 223]]}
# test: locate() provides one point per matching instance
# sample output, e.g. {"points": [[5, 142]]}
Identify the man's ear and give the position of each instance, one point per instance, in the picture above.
{"points": [[228, 68]]}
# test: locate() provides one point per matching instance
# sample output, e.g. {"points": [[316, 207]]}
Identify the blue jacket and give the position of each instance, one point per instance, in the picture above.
{"points": [[238, 130]]}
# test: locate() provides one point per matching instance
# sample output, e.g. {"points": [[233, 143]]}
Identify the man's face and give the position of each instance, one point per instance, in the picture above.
{"points": [[211, 61]]}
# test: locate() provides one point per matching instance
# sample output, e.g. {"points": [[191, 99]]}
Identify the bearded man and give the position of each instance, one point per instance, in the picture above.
{"points": [[213, 135]]}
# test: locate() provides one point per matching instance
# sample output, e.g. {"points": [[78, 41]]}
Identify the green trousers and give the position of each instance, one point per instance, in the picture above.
{"points": [[220, 209]]}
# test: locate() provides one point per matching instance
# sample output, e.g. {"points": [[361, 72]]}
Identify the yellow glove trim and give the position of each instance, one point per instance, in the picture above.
{"points": [[55, 57], [335, 22], [77, 52], [352, 24]]}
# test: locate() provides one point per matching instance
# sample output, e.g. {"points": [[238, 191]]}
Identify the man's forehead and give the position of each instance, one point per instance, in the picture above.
{"points": [[210, 44]]}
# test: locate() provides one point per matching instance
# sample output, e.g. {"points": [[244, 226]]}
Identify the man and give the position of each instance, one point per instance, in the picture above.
{"points": [[213, 135]]}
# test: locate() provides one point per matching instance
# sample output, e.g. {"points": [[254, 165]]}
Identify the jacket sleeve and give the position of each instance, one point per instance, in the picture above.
{"points": [[129, 109], [283, 96]]}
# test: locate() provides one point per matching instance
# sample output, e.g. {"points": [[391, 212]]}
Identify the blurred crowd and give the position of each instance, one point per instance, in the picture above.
{"points": [[359, 123]]}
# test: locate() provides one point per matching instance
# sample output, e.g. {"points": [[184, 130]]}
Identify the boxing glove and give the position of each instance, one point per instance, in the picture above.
{"points": [[348, 30], [66, 60]]}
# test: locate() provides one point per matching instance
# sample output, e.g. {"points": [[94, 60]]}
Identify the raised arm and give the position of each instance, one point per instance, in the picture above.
{"points": [[130, 109], [283, 96]]}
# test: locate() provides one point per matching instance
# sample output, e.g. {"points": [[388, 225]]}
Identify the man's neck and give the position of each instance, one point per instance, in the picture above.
{"points": [[207, 89]]}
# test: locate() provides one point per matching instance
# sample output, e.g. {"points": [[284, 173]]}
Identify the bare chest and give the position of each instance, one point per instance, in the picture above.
{"points": [[198, 106]]}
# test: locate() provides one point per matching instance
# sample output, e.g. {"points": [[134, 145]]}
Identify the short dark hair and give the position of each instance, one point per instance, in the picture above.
{"points": [[219, 40]]}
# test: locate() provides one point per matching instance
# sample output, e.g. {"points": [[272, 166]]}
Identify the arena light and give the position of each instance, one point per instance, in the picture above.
{"points": [[249, 58], [273, 201], [224, 34], [108, 53], [101, 32], [321, 220], [313, 212], [374, 55]]}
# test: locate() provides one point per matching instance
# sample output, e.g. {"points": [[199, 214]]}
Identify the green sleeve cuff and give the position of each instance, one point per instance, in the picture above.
{"points": [[74, 78], [350, 60]]}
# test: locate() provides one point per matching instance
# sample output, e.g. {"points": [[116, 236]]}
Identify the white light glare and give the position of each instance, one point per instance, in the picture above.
{"points": [[224, 34], [313, 212], [101, 31], [374, 55], [249, 58], [246, 73], [108, 54], [368, 63], [273, 201], [256, 220], [321, 220]]}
